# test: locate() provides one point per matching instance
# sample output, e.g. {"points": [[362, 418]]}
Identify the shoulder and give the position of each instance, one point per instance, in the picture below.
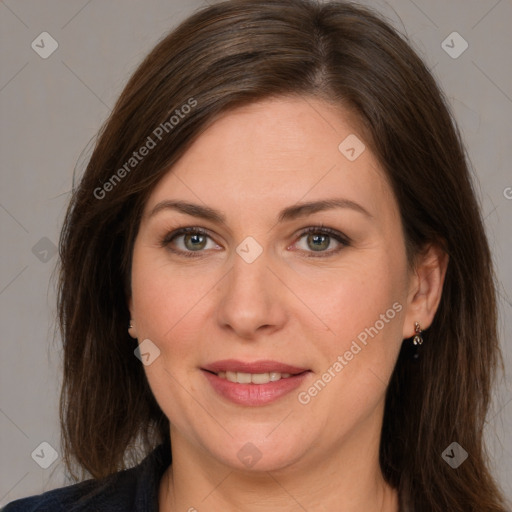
{"points": [[134, 489], [72, 497]]}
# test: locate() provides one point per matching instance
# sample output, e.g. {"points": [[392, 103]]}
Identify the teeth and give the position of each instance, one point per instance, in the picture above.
{"points": [[253, 378]]}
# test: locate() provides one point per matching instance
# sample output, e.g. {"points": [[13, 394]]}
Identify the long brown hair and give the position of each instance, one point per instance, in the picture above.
{"points": [[238, 52]]}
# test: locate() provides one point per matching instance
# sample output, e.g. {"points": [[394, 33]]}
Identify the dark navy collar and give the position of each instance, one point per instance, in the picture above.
{"points": [[132, 490]]}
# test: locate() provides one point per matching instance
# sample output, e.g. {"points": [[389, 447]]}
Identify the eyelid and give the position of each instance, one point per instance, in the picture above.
{"points": [[321, 229]]}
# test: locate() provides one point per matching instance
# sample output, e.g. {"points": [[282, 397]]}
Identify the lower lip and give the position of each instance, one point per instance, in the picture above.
{"points": [[254, 394]]}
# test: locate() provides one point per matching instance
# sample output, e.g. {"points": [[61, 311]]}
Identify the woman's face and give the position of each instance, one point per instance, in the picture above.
{"points": [[247, 291]]}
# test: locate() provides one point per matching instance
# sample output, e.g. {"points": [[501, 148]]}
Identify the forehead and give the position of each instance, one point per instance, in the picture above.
{"points": [[278, 152]]}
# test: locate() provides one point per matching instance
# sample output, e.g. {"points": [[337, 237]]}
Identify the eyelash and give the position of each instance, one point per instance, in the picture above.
{"points": [[343, 240]]}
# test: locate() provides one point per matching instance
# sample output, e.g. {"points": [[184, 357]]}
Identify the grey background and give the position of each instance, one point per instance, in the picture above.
{"points": [[52, 108]]}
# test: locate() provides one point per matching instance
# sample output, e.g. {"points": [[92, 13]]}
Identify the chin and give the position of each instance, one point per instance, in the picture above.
{"points": [[259, 452]]}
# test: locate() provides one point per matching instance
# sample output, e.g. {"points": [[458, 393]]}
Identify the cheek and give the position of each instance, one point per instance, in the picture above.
{"points": [[351, 297], [167, 303], [163, 307], [363, 311]]}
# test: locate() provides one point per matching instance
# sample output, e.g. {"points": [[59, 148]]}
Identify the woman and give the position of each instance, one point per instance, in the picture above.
{"points": [[275, 278]]}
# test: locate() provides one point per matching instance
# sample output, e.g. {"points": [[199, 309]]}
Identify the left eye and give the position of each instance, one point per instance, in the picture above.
{"points": [[320, 239]]}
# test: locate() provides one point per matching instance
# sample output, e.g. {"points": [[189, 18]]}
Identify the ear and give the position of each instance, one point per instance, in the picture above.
{"points": [[131, 330], [425, 288]]}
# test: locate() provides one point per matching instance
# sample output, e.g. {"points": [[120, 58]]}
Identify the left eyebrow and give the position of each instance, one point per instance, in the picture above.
{"points": [[303, 209]]}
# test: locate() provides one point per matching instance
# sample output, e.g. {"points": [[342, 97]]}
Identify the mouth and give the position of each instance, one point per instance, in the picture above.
{"points": [[256, 372], [253, 378], [256, 383]]}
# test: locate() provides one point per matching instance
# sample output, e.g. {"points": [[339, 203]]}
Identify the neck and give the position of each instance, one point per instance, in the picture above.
{"points": [[347, 479]]}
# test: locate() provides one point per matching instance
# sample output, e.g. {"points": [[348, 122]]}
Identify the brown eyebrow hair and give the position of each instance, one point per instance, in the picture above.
{"points": [[287, 214]]}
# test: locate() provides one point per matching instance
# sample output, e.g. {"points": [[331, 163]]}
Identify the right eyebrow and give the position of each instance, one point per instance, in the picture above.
{"points": [[194, 210]]}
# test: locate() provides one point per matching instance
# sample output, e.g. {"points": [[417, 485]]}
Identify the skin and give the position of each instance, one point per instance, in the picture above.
{"points": [[284, 306]]}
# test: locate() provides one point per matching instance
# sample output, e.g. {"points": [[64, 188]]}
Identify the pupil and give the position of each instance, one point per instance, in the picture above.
{"points": [[197, 242], [319, 241]]}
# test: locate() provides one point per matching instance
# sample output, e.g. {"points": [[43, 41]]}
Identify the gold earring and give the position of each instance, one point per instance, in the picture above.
{"points": [[418, 339]]}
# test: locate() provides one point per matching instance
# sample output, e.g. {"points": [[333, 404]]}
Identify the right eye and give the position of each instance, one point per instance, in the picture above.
{"points": [[187, 241]]}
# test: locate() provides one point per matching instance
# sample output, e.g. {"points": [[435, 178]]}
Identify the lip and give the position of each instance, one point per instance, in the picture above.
{"points": [[263, 366], [254, 394]]}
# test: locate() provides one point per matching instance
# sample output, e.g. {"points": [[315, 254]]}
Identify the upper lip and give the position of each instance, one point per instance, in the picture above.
{"points": [[264, 366]]}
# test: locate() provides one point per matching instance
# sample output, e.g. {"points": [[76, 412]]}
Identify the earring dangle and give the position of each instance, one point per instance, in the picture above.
{"points": [[418, 339]]}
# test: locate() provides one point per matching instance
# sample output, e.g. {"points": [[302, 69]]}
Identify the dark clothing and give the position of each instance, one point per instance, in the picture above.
{"points": [[131, 490]]}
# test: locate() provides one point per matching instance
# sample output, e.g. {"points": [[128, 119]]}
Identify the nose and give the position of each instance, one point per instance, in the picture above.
{"points": [[252, 299]]}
